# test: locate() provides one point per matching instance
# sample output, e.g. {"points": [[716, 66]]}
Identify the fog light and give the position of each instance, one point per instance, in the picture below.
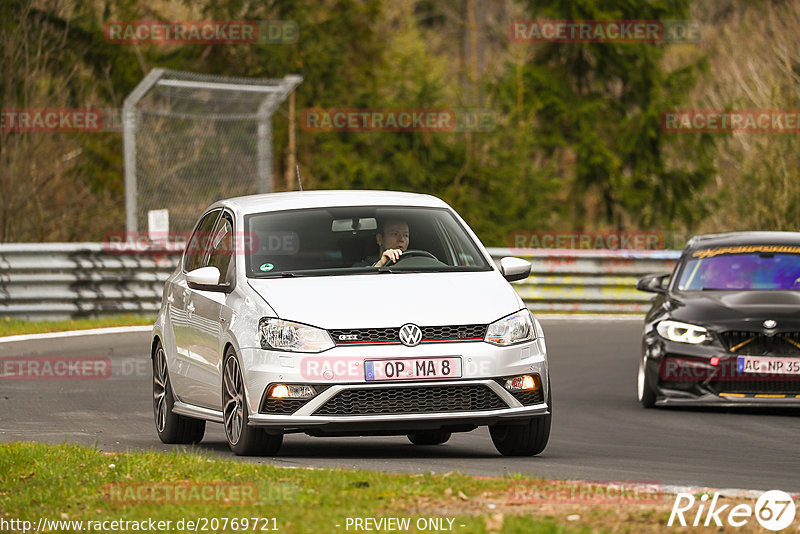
{"points": [[714, 361], [285, 391], [521, 382]]}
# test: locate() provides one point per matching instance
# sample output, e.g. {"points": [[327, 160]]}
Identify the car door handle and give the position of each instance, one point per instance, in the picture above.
{"points": [[190, 308]]}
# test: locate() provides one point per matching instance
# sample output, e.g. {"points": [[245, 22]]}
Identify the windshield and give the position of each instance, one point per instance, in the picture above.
{"points": [[349, 240], [742, 272]]}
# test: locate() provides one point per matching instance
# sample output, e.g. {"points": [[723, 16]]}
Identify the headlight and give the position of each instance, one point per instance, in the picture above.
{"points": [[682, 332], [278, 334], [515, 328]]}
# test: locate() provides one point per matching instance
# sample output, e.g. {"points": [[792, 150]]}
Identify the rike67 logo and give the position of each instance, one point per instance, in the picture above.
{"points": [[774, 510]]}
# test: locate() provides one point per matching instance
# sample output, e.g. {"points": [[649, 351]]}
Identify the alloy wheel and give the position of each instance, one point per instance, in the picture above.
{"points": [[160, 389], [233, 409]]}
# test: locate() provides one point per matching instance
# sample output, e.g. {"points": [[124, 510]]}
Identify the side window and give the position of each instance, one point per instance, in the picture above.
{"points": [[462, 255], [198, 243], [221, 251]]}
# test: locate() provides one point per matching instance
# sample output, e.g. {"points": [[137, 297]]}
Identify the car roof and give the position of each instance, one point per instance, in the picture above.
{"points": [[743, 239], [327, 198]]}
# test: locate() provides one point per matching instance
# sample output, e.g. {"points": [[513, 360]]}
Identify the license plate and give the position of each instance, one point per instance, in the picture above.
{"points": [[412, 369], [768, 365]]}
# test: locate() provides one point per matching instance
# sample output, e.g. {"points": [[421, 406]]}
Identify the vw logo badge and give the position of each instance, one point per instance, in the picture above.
{"points": [[769, 324], [410, 335]]}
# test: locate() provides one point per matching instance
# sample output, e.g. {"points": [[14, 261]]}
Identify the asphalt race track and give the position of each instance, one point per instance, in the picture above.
{"points": [[599, 430]]}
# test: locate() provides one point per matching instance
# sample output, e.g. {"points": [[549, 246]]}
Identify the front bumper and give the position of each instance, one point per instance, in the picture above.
{"points": [[303, 419], [682, 375], [482, 364]]}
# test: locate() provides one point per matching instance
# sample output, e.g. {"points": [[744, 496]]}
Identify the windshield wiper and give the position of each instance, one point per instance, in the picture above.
{"points": [[284, 274]]}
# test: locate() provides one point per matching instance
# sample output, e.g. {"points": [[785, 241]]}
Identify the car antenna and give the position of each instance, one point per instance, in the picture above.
{"points": [[299, 183]]}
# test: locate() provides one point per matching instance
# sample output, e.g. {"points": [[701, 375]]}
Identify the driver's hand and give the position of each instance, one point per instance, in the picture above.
{"points": [[392, 254]]}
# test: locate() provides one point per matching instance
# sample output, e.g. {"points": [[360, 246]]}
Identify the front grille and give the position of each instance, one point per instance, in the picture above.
{"points": [[760, 344], [366, 335], [467, 332], [408, 400], [282, 406]]}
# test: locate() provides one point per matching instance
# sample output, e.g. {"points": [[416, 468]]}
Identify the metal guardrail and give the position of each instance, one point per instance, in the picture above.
{"points": [[596, 281], [41, 281]]}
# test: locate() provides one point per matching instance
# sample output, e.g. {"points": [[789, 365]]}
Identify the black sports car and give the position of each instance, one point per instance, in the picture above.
{"points": [[724, 328]]}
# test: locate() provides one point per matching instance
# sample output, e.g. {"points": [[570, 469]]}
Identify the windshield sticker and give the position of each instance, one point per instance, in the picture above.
{"points": [[759, 249], [266, 267]]}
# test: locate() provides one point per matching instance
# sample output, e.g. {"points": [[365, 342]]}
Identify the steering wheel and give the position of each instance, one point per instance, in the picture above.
{"points": [[413, 254]]}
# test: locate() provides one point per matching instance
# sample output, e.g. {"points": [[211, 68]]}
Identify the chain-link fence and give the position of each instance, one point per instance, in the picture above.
{"points": [[191, 139]]}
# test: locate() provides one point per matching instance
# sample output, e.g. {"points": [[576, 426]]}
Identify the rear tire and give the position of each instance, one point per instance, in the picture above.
{"points": [[429, 437], [646, 392], [528, 439], [244, 440], [171, 427]]}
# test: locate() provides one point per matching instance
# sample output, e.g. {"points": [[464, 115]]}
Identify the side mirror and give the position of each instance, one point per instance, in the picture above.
{"points": [[514, 269], [205, 279], [652, 283]]}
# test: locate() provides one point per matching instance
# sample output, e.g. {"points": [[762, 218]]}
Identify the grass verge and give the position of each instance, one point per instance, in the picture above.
{"points": [[76, 483], [14, 327]]}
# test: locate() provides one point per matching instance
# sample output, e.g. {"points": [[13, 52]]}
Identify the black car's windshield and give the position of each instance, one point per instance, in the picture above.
{"points": [[348, 240], [764, 270]]}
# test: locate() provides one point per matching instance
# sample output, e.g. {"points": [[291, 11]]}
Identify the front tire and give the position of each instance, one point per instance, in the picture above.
{"points": [[171, 427], [243, 439], [528, 439], [645, 390], [429, 437]]}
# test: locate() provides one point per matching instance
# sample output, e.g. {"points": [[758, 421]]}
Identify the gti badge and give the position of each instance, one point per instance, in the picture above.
{"points": [[410, 335], [769, 324]]}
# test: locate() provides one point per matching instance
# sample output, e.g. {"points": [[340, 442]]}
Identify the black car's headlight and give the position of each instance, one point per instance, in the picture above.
{"points": [[277, 334], [682, 332], [514, 328]]}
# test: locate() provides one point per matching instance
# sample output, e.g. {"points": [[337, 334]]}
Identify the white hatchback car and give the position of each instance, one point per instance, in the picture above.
{"points": [[277, 321]]}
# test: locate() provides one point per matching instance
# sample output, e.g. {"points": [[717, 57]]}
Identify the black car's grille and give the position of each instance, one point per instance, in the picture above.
{"points": [[282, 406], [359, 336], [760, 344], [412, 400]]}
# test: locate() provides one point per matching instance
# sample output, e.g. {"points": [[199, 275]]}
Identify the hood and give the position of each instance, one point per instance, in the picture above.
{"points": [[737, 309], [387, 300]]}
